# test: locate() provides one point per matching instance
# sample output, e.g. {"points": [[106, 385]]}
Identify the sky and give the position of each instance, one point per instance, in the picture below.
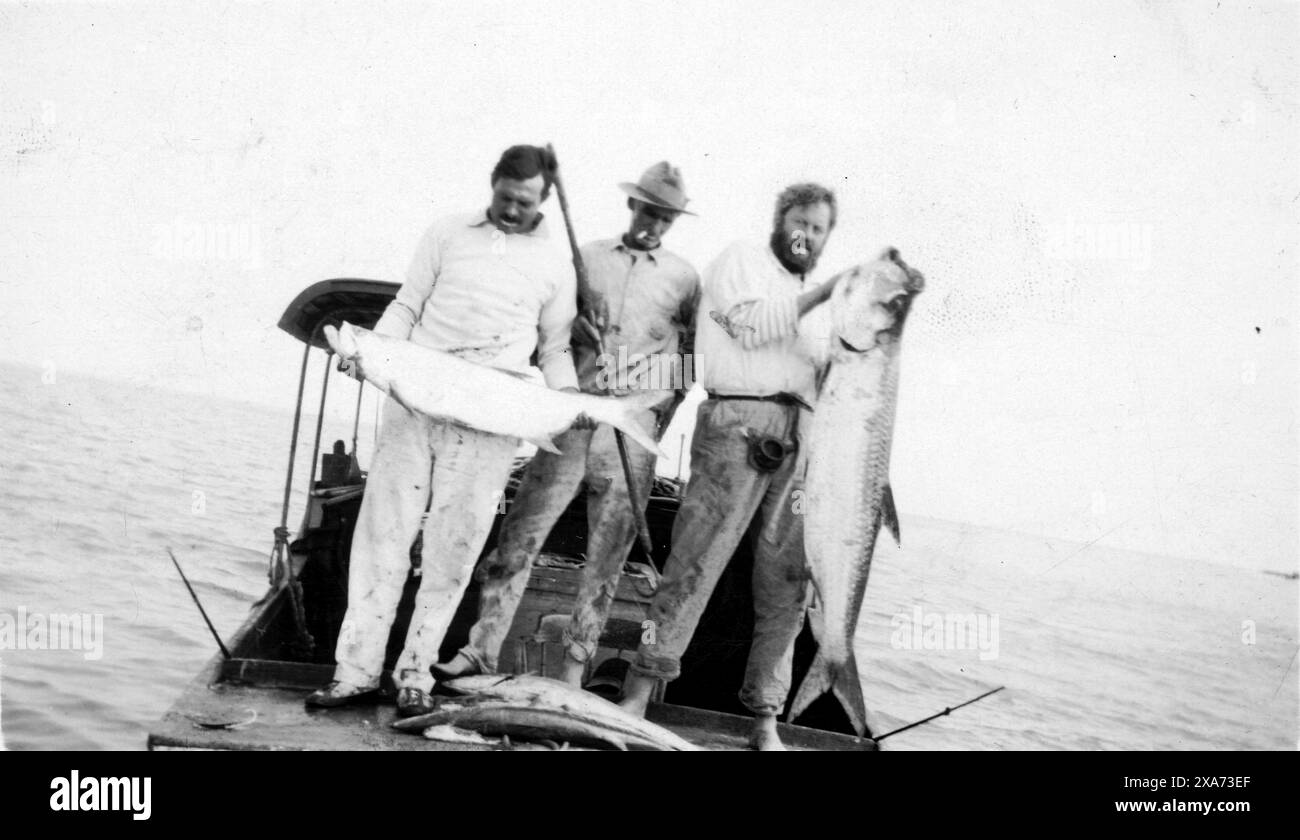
{"points": [[1102, 196]]}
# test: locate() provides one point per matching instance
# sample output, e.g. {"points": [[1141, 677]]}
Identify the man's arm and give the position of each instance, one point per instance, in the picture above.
{"points": [[404, 311], [756, 318], [686, 315], [593, 309], [554, 331], [817, 296]]}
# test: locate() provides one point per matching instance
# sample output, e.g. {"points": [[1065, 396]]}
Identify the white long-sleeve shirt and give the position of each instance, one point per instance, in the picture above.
{"points": [[748, 289], [489, 297]]}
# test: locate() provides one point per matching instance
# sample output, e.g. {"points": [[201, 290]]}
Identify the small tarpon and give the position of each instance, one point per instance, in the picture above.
{"points": [[847, 483], [490, 399], [538, 708]]}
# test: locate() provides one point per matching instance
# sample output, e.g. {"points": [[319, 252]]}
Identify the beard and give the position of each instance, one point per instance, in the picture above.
{"points": [[783, 247]]}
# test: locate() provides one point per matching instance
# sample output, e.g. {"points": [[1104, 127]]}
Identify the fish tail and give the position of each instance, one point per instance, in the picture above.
{"points": [[840, 678], [630, 415]]}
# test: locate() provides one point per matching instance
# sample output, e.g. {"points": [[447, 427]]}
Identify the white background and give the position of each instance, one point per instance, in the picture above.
{"points": [[1102, 195]]}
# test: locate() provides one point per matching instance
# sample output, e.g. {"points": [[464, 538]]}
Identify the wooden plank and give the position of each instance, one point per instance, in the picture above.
{"points": [[276, 674], [278, 720], [704, 726]]}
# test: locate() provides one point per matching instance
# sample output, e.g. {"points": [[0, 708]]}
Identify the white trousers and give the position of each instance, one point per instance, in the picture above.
{"points": [[465, 470]]}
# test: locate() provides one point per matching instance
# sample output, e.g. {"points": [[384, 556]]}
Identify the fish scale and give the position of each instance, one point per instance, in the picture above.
{"points": [[538, 707], [844, 487], [847, 482], [490, 399]]}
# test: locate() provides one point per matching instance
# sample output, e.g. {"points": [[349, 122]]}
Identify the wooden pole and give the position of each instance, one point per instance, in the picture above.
{"points": [[633, 493], [220, 644], [946, 711]]}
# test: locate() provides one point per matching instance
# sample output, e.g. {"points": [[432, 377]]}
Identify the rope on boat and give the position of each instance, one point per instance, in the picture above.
{"points": [[278, 562]]}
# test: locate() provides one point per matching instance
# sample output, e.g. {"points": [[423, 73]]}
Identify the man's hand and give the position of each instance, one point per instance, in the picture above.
{"points": [[582, 421], [819, 295], [349, 367], [590, 325]]}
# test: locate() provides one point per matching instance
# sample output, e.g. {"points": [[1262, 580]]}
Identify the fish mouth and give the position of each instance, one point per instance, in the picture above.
{"points": [[853, 349]]}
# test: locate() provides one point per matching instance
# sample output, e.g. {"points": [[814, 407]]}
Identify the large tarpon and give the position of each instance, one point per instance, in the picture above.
{"points": [[847, 483], [490, 399], [541, 708]]}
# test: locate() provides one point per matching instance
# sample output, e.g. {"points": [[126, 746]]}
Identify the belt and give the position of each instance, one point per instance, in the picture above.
{"points": [[782, 398]]}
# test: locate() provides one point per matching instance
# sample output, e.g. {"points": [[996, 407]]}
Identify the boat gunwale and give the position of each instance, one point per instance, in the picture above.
{"points": [[249, 673]]}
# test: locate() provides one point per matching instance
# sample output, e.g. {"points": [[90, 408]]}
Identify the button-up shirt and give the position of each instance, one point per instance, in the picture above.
{"points": [[650, 299], [748, 335], [489, 297]]}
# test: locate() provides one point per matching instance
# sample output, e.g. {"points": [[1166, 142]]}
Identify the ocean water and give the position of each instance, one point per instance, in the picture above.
{"points": [[1097, 649]]}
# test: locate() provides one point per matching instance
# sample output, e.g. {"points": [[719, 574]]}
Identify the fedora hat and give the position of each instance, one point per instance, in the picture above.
{"points": [[661, 185]]}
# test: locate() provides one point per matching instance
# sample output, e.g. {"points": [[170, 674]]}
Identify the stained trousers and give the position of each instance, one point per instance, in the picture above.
{"points": [[721, 500], [417, 457], [549, 484]]}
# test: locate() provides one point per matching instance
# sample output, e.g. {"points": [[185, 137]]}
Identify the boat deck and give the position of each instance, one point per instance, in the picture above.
{"points": [[229, 716], [254, 701]]}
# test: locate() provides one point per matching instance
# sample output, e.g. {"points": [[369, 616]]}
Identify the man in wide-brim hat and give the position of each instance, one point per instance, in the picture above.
{"points": [[660, 186], [642, 298]]}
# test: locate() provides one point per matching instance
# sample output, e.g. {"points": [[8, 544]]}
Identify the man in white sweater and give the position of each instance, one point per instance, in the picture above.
{"points": [[644, 297], [489, 287], [760, 375]]}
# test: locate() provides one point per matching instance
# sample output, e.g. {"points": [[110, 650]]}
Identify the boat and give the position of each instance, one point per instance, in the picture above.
{"points": [[249, 695]]}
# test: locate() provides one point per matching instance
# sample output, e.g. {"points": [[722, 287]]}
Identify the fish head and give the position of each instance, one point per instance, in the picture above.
{"points": [[871, 301]]}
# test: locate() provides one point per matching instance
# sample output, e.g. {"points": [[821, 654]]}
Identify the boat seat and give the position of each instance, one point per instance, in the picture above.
{"points": [[620, 634]]}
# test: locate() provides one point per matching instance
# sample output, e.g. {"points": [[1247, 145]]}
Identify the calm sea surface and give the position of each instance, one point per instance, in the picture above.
{"points": [[1098, 649]]}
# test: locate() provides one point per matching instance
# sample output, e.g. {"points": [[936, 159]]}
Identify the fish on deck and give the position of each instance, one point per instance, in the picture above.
{"points": [[538, 708], [847, 483]]}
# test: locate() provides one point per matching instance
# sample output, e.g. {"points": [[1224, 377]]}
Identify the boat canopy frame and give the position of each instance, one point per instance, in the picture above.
{"points": [[359, 301]]}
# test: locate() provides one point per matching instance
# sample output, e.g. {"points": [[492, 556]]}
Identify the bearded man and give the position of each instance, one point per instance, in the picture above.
{"points": [[759, 376]]}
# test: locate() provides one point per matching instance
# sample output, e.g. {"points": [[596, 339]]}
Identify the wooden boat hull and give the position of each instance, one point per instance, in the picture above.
{"points": [[250, 703]]}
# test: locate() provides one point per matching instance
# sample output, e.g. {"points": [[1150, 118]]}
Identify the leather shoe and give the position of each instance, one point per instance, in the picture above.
{"points": [[414, 701], [460, 666], [340, 694]]}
